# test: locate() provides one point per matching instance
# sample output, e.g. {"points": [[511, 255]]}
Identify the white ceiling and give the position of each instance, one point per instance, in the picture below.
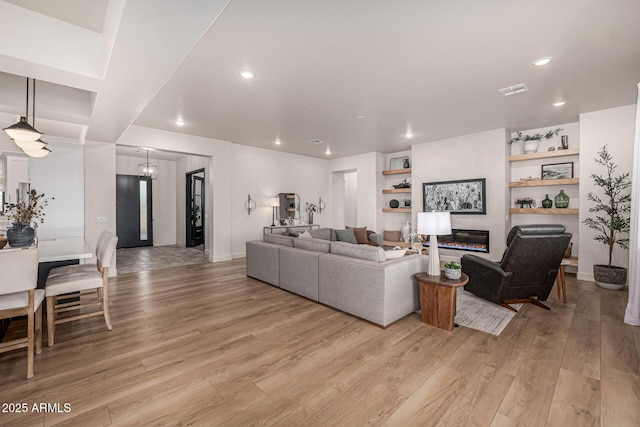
{"points": [[431, 67]]}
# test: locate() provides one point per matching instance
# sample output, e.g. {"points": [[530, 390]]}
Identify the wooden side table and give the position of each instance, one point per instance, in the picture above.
{"points": [[438, 299]]}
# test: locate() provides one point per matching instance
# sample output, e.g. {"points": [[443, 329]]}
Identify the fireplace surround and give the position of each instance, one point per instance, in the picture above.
{"points": [[465, 240]]}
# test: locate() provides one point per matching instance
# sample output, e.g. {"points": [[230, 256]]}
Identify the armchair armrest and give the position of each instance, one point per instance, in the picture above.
{"points": [[486, 278]]}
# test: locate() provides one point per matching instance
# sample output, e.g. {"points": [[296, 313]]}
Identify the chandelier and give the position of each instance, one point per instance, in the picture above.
{"points": [[148, 170]]}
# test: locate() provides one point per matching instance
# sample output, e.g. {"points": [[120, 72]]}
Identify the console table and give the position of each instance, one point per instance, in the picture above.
{"points": [[270, 230]]}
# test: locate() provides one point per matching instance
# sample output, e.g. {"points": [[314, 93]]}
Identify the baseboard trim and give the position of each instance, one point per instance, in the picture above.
{"points": [[239, 255], [586, 277], [220, 258]]}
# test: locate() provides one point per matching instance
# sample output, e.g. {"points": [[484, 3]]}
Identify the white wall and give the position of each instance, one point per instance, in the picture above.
{"points": [[163, 196], [56, 175], [265, 173], [100, 192], [615, 128], [479, 155], [351, 198]]}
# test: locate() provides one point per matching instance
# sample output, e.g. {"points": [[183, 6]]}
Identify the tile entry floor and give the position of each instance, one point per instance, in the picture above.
{"points": [[133, 260]]}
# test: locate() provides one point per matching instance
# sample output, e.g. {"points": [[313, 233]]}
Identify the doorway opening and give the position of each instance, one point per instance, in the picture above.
{"points": [[344, 198], [134, 211], [195, 213]]}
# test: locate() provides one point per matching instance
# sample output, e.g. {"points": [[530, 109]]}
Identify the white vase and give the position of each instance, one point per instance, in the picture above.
{"points": [[406, 230], [530, 146]]}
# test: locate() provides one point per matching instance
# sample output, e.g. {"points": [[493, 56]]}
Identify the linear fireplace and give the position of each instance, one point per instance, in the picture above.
{"points": [[465, 240]]}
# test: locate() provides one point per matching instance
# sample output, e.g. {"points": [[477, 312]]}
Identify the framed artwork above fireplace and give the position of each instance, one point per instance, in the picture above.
{"points": [[458, 197]]}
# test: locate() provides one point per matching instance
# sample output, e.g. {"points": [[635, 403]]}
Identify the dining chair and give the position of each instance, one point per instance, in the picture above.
{"points": [[83, 268], [19, 297], [80, 290]]}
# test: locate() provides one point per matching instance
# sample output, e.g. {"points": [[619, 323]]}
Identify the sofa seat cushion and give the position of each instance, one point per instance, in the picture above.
{"points": [[366, 252], [311, 244]]}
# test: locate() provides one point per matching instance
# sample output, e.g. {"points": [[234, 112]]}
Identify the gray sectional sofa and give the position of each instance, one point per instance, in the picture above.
{"points": [[357, 279]]}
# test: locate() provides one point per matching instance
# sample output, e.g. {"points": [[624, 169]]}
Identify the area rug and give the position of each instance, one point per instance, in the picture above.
{"points": [[477, 313]]}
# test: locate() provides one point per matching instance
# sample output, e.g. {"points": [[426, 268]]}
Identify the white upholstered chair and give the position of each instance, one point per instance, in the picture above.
{"points": [[84, 268], [19, 297], [80, 289]]}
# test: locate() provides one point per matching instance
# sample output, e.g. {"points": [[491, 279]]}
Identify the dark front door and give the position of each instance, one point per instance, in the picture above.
{"points": [[195, 208], [134, 215]]}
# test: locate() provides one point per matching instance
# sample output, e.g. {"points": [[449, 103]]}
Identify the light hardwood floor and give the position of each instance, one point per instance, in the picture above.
{"points": [[205, 345]]}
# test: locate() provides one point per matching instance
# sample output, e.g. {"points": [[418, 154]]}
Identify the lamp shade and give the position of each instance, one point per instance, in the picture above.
{"points": [[22, 131], [38, 153], [30, 145], [274, 202], [434, 223]]}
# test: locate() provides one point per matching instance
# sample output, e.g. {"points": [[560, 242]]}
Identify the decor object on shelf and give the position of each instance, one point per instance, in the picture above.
{"points": [[274, 203], [406, 230], [564, 142], [530, 143], [417, 241], [392, 235], [458, 197], [394, 203], [561, 200], [25, 135], [407, 203], [405, 163], [557, 171], [21, 214], [452, 270], [525, 201], [398, 163], [403, 184], [434, 224], [551, 149], [547, 202], [250, 205], [311, 208], [611, 221], [147, 170]]}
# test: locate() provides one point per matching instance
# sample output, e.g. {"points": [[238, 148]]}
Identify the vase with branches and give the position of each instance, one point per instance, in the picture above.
{"points": [[24, 213], [611, 220]]}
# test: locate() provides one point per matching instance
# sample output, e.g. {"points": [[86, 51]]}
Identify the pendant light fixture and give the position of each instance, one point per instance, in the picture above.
{"points": [[147, 170], [25, 136], [23, 131]]}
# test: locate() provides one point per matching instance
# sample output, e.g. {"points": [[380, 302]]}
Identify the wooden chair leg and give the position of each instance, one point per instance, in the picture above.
{"points": [[105, 302], [525, 301], [562, 284], [30, 336], [51, 319], [505, 305], [38, 336]]}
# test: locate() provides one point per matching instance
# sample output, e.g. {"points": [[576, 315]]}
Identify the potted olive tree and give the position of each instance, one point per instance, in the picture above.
{"points": [[611, 220]]}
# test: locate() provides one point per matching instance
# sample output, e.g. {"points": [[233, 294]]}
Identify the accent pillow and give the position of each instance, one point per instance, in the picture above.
{"points": [[347, 236], [306, 235], [361, 234]]}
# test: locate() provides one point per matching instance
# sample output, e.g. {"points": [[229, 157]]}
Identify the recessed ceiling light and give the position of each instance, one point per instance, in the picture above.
{"points": [[277, 141], [247, 74], [179, 123], [542, 61], [559, 104], [328, 152], [408, 135], [361, 117]]}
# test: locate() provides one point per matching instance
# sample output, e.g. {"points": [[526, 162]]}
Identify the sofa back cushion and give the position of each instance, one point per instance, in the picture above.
{"points": [[370, 253], [279, 239], [324, 233], [311, 244]]}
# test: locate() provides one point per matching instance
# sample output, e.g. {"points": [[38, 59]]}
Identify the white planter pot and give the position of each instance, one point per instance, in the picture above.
{"points": [[530, 146], [453, 274]]}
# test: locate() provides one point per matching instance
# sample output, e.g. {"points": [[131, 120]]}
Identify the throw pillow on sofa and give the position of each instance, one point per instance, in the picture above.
{"points": [[361, 234], [347, 236]]}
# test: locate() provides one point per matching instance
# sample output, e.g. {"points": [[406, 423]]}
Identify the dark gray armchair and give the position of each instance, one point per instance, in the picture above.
{"points": [[528, 267]]}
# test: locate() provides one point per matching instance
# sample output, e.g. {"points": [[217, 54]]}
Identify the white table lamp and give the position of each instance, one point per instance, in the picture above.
{"points": [[274, 202], [434, 224]]}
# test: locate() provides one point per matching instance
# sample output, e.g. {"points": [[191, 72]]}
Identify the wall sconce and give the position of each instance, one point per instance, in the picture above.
{"points": [[321, 205], [250, 205]]}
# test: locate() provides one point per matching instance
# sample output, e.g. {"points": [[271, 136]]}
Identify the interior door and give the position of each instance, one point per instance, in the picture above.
{"points": [[195, 208], [134, 213]]}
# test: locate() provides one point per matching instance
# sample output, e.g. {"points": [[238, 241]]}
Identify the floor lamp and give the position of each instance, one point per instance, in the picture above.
{"points": [[274, 202], [434, 224]]}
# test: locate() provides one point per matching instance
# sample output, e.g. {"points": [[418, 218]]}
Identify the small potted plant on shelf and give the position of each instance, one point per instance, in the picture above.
{"points": [[530, 143], [452, 270], [611, 221], [417, 241]]}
